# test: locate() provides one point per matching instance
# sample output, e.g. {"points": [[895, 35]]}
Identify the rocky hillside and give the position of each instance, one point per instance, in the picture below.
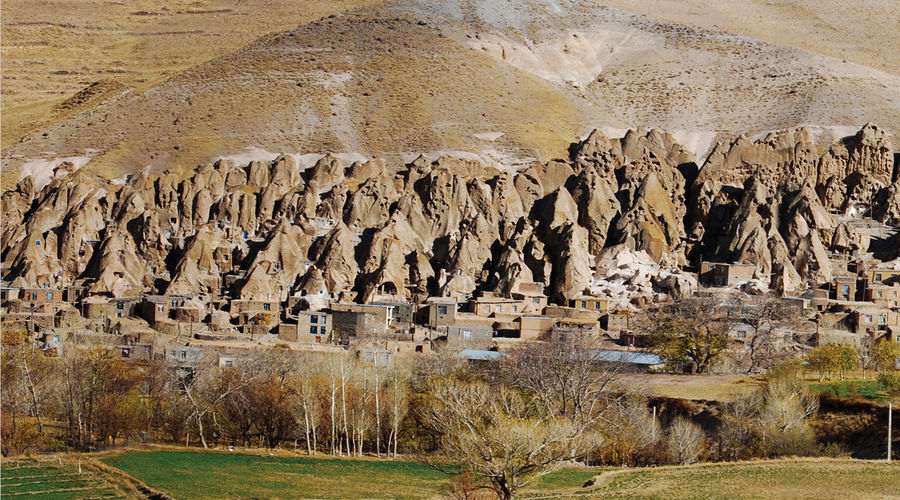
{"points": [[301, 225], [503, 81]]}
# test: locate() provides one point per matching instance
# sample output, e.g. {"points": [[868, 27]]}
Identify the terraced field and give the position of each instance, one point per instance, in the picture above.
{"points": [[54, 480]]}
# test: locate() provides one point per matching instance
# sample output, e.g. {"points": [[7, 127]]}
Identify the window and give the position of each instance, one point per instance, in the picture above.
{"points": [[324, 319], [467, 334], [49, 295], [37, 243], [536, 300], [597, 306], [442, 310], [182, 354], [267, 306], [314, 330], [120, 305], [160, 308], [313, 319], [878, 277]]}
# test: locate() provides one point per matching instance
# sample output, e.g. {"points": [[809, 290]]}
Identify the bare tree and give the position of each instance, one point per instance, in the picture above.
{"points": [[763, 315], [209, 386], [501, 434], [685, 441], [27, 388], [307, 401], [631, 433], [691, 332], [563, 376], [772, 421], [398, 393]]}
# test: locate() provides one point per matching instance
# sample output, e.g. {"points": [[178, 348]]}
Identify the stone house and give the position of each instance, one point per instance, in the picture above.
{"points": [[489, 304], [184, 357], [535, 327], [401, 312], [350, 321], [98, 307], [531, 294], [866, 318], [154, 308], [590, 303], [311, 326], [258, 311], [8, 293], [190, 311], [617, 323], [375, 354], [882, 274], [38, 296], [843, 288], [884, 295], [720, 274], [136, 352], [442, 311], [472, 336]]}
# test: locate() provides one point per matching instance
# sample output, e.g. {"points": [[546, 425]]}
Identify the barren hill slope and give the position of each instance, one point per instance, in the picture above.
{"points": [[512, 81], [55, 50]]}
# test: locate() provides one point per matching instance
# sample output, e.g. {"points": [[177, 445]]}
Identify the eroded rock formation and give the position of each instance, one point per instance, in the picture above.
{"points": [[267, 230]]}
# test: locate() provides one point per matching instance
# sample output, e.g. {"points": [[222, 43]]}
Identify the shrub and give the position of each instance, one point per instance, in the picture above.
{"points": [[831, 358], [685, 442], [890, 382]]}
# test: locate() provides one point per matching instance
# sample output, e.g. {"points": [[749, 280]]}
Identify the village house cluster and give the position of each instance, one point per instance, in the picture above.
{"points": [[452, 253], [862, 301]]}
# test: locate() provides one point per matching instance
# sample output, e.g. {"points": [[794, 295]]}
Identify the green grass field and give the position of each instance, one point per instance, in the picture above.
{"points": [[187, 474], [47, 480], [233, 475], [872, 390], [812, 479]]}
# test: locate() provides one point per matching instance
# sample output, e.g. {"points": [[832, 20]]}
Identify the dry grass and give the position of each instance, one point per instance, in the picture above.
{"points": [[860, 32], [812, 478], [195, 79], [706, 387], [54, 48]]}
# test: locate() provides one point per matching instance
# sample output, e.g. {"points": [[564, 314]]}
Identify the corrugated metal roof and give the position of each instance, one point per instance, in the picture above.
{"points": [[634, 358], [480, 355]]}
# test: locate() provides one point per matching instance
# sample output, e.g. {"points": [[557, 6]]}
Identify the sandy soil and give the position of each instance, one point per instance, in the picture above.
{"points": [[416, 76], [53, 49], [708, 387]]}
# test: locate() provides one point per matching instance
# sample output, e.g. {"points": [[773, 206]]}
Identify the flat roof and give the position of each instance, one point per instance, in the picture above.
{"points": [[628, 357], [480, 355]]}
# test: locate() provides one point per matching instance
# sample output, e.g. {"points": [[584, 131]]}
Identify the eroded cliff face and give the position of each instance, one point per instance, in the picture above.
{"points": [[266, 230]]}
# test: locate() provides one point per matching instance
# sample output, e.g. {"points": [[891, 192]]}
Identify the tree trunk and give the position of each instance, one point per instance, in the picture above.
{"points": [[502, 489], [306, 427], [344, 407], [34, 400], [200, 430], [333, 416], [377, 412]]}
